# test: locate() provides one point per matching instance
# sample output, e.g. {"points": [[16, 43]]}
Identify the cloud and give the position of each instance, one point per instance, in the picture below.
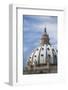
{"points": [[37, 19], [39, 22]]}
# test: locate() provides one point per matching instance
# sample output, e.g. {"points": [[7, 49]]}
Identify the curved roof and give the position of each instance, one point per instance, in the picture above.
{"points": [[41, 53]]}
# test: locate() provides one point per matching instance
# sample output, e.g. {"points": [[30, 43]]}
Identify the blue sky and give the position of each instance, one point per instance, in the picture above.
{"points": [[33, 29]]}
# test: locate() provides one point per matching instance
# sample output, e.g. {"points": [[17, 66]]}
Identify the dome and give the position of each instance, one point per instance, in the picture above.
{"points": [[42, 54]]}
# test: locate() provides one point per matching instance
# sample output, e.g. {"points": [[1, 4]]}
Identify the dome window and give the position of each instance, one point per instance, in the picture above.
{"points": [[49, 55], [48, 49], [52, 49], [37, 49], [42, 48], [41, 54], [35, 55]]}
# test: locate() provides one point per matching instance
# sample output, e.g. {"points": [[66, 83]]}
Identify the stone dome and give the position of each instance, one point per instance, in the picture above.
{"points": [[42, 55]]}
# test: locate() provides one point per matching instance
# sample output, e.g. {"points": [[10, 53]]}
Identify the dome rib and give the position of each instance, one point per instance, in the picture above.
{"points": [[33, 55], [39, 56]]}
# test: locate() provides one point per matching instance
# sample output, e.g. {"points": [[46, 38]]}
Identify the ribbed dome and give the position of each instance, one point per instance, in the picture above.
{"points": [[42, 54]]}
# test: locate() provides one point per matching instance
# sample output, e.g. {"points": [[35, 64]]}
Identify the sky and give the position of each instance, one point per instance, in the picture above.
{"points": [[33, 28]]}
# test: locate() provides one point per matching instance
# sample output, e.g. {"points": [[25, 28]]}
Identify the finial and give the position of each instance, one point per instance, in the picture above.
{"points": [[45, 29]]}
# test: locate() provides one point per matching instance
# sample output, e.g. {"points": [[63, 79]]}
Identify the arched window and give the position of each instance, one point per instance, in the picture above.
{"points": [[37, 49], [35, 56], [49, 56], [42, 55], [48, 49], [29, 57]]}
